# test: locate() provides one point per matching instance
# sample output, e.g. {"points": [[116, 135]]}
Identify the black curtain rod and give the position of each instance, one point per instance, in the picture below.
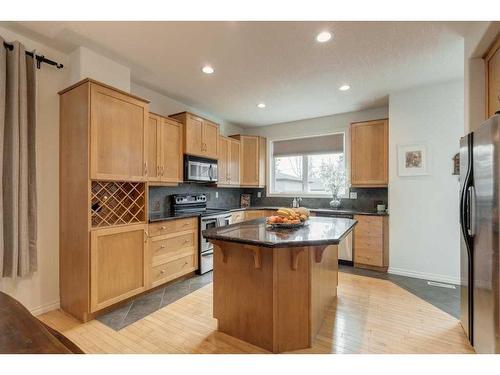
{"points": [[39, 58]]}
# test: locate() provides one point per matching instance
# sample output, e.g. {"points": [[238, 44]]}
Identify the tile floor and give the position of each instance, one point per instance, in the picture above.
{"points": [[447, 299], [148, 303]]}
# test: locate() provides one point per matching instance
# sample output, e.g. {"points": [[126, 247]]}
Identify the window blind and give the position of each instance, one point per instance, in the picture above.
{"points": [[325, 144]]}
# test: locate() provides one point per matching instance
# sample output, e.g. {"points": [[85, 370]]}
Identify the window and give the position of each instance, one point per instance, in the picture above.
{"points": [[308, 166]]}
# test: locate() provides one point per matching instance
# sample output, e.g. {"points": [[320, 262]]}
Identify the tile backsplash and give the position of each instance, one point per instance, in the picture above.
{"points": [[160, 198], [368, 198]]}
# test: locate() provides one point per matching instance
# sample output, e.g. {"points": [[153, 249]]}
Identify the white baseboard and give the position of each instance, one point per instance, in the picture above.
{"points": [[45, 308], [425, 276]]}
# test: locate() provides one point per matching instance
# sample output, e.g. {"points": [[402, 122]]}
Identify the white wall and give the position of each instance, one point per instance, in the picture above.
{"points": [[40, 292], [86, 63], [164, 105], [424, 218]]}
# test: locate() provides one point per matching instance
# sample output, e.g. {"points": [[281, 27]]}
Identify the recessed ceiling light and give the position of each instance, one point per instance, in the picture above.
{"points": [[207, 69], [261, 105], [344, 87], [323, 36]]}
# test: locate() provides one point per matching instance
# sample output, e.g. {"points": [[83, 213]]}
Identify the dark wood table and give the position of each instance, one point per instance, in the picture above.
{"points": [[22, 333]]}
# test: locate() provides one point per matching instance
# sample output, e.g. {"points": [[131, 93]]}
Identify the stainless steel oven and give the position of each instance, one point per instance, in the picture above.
{"points": [[198, 169], [206, 248]]}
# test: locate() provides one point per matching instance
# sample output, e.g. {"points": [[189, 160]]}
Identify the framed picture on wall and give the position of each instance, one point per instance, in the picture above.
{"points": [[412, 160]]}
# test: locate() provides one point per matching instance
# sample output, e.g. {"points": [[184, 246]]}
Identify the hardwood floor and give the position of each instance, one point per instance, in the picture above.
{"points": [[369, 316]]}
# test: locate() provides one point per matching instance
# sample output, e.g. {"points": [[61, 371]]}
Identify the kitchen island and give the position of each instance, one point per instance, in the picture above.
{"points": [[272, 286]]}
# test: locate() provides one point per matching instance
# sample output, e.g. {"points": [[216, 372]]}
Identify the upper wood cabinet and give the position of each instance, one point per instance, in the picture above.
{"points": [[164, 149], [252, 160], [229, 162], [369, 153], [118, 133], [118, 263], [492, 69], [201, 136]]}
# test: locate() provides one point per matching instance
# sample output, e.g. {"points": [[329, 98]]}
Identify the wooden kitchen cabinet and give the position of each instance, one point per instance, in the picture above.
{"points": [[201, 136], [118, 133], [172, 250], [492, 70], [369, 153], [154, 150], [164, 149], [371, 242], [253, 160], [117, 264], [229, 162]]}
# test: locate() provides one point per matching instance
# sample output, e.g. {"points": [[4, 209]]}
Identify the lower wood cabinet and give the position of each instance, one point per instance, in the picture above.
{"points": [[117, 264], [172, 250], [371, 242]]}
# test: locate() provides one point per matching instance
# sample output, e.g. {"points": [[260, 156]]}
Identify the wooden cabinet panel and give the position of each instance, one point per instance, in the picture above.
{"points": [[210, 139], [492, 69], [167, 271], [237, 217], [193, 135], [369, 153], [253, 160], [118, 133], [153, 147], [371, 242], [117, 259], [166, 248], [201, 136], [172, 226], [234, 162], [223, 162], [171, 151]]}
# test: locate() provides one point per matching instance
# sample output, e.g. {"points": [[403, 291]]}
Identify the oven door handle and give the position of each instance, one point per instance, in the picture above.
{"points": [[207, 253]]}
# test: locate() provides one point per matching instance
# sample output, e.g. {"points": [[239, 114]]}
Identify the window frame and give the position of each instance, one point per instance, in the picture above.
{"points": [[302, 194]]}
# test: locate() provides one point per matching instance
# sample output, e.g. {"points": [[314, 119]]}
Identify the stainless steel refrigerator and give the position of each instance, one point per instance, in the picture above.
{"points": [[479, 221]]}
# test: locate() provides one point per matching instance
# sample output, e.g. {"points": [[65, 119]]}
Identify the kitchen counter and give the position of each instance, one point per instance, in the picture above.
{"points": [[322, 210], [317, 231], [272, 286]]}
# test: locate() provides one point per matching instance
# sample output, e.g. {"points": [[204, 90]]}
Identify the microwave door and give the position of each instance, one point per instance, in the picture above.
{"points": [[198, 171]]}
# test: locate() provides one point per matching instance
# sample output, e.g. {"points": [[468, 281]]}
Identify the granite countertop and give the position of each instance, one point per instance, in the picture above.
{"points": [[322, 210], [317, 231]]}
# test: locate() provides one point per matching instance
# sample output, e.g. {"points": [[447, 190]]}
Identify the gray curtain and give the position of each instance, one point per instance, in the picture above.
{"points": [[18, 227]]}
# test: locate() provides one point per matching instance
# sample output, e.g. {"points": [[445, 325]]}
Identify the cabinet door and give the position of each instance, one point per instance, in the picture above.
{"points": [[492, 61], [194, 135], [223, 162], [171, 151], [234, 162], [154, 123], [249, 161], [210, 139], [369, 153], [118, 133], [117, 260]]}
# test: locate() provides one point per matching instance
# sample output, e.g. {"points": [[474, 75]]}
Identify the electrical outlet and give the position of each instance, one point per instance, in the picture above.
{"points": [[259, 194], [216, 195], [353, 195]]}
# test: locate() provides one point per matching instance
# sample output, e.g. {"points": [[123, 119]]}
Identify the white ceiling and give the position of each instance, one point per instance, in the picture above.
{"points": [[279, 63]]}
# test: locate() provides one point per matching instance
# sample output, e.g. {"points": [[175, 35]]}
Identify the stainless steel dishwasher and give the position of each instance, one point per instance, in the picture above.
{"points": [[346, 255]]}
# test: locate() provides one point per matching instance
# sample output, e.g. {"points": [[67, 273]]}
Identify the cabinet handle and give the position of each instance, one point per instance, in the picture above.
{"points": [[145, 236], [163, 227], [145, 168], [162, 271], [186, 241], [162, 246], [162, 170], [158, 170]]}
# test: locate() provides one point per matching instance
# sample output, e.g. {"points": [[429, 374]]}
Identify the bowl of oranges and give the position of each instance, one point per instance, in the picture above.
{"points": [[289, 218]]}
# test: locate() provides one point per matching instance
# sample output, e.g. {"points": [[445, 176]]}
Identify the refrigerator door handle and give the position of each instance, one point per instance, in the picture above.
{"points": [[471, 208]]}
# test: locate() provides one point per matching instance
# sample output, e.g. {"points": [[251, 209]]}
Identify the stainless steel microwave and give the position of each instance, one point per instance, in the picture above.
{"points": [[198, 169]]}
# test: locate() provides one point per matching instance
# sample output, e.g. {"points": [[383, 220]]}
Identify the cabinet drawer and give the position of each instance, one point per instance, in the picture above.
{"points": [[172, 226], [369, 242], [238, 217], [368, 256], [165, 248], [371, 225], [171, 270]]}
